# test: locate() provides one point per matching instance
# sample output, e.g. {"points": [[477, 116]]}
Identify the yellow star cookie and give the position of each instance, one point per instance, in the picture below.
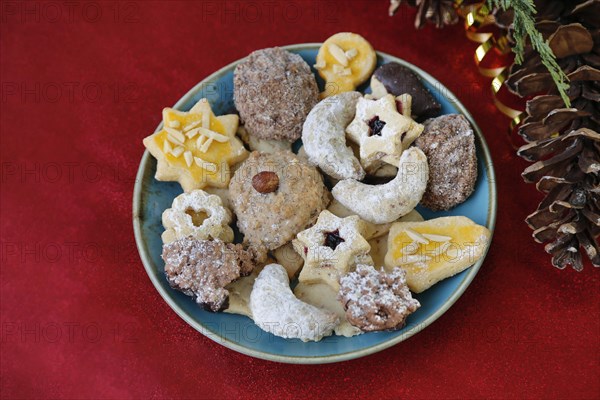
{"points": [[331, 248], [196, 148], [381, 132]]}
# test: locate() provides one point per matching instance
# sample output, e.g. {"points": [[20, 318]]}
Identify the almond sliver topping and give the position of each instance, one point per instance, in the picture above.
{"points": [[177, 151], [207, 165], [175, 134], [191, 126], [321, 64], [174, 124], [167, 147], [213, 135], [338, 54], [416, 236], [436, 238], [192, 133], [189, 159], [206, 120], [205, 146], [410, 248], [350, 54]]}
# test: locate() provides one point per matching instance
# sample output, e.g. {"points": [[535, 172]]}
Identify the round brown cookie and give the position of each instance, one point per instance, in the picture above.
{"points": [[202, 268], [275, 196], [376, 300], [274, 90], [449, 144]]}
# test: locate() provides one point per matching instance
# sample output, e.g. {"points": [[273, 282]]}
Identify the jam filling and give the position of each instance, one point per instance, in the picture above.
{"points": [[375, 126], [333, 239]]}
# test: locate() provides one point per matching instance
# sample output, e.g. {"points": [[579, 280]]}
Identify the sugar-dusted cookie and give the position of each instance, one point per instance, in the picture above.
{"points": [[433, 250], [385, 203], [202, 269], [324, 136], [275, 196], [275, 309], [196, 148], [449, 144], [274, 90], [382, 132], [331, 248], [370, 230], [345, 61], [376, 300], [197, 214]]}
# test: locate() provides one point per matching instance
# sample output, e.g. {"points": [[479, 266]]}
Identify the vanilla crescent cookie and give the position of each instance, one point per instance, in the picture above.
{"points": [[196, 148], [275, 309], [382, 132], [381, 204], [197, 214], [324, 137], [331, 248]]}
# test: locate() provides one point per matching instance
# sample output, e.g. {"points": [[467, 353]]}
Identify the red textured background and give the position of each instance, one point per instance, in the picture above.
{"points": [[84, 82]]}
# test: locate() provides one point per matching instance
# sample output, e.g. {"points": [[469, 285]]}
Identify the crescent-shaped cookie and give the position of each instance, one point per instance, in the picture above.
{"points": [[381, 204], [324, 136]]}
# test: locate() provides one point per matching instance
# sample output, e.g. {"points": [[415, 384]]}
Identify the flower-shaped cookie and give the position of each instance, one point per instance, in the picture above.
{"points": [[331, 248], [197, 214], [381, 131], [196, 148]]}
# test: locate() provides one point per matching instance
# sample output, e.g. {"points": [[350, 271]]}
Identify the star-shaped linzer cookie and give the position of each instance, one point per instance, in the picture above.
{"points": [[196, 148], [331, 248], [381, 131]]}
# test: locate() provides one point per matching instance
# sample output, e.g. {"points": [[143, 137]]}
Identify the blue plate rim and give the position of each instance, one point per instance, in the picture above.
{"points": [[462, 286]]}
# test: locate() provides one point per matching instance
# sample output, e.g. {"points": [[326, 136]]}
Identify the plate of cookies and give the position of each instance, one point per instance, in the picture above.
{"points": [[314, 203]]}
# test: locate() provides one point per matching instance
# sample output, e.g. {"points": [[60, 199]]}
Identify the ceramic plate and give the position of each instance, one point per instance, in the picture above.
{"points": [[239, 333]]}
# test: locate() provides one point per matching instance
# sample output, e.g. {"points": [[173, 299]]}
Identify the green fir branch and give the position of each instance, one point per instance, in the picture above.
{"points": [[524, 26]]}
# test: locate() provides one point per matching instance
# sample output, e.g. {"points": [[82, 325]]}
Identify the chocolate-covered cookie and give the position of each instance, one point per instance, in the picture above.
{"points": [[449, 144], [396, 79]]}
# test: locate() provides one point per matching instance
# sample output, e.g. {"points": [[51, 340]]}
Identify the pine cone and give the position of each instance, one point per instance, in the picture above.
{"points": [[438, 12], [564, 142]]}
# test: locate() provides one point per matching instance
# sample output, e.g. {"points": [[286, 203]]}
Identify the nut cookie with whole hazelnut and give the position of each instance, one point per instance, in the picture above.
{"points": [[274, 90], [275, 196]]}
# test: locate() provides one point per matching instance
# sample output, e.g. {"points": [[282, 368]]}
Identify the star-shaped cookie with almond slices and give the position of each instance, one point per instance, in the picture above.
{"points": [[196, 148], [331, 248]]}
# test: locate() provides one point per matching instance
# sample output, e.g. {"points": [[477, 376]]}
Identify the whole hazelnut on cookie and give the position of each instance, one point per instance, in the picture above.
{"points": [[275, 196], [274, 90]]}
